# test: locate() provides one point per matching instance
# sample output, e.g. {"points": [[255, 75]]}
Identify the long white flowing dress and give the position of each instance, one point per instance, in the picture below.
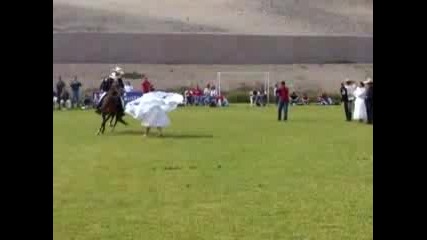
{"points": [[152, 108], [359, 104]]}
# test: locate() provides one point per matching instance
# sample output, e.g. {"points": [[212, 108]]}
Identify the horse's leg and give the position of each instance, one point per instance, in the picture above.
{"points": [[160, 131], [111, 121], [104, 122], [115, 123]]}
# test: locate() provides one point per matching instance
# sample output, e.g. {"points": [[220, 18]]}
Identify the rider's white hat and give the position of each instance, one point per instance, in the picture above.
{"points": [[113, 75], [118, 70], [368, 80]]}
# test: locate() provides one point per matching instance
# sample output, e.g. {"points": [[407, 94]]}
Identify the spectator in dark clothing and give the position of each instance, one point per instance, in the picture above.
{"points": [[294, 98], [283, 101], [60, 85], [344, 100], [65, 95], [87, 102], [369, 101], [64, 98], [75, 88]]}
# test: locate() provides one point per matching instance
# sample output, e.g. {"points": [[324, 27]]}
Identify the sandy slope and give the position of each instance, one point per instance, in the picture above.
{"points": [[300, 77], [242, 16]]}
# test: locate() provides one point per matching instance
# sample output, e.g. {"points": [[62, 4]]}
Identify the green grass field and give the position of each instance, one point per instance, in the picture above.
{"points": [[230, 173]]}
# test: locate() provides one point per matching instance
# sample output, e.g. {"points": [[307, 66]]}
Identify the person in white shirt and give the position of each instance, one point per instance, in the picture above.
{"points": [[213, 92], [206, 92], [360, 113], [128, 87]]}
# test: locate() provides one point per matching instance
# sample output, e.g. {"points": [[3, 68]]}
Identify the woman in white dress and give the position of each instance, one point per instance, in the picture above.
{"points": [[359, 104], [152, 108]]}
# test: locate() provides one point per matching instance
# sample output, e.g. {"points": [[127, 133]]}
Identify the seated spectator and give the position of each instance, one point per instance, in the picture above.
{"points": [[189, 98], [225, 102], [221, 101], [197, 95], [128, 87], [261, 99], [294, 98], [87, 102], [323, 99], [264, 98], [305, 99], [186, 93], [203, 99], [65, 99]]}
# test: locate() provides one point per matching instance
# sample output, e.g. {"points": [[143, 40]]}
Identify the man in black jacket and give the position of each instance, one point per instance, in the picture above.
{"points": [[116, 75], [60, 85], [369, 101], [344, 100]]}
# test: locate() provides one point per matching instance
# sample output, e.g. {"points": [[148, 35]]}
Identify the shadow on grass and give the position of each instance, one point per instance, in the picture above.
{"points": [[165, 135]]}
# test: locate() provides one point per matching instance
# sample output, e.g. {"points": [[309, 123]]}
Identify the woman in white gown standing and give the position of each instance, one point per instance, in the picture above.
{"points": [[152, 108], [359, 104]]}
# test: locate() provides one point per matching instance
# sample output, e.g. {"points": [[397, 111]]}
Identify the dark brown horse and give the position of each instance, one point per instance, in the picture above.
{"points": [[110, 109]]}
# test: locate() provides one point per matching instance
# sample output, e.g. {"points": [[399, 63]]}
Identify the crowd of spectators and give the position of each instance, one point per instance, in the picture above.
{"points": [[208, 97]]}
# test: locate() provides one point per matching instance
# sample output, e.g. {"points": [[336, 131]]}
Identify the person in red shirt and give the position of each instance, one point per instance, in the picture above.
{"points": [[283, 101], [146, 85], [197, 93]]}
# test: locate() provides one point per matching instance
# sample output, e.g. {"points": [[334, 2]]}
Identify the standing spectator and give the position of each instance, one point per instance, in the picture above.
{"points": [[55, 99], [283, 101], [75, 87], [146, 85], [128, 87], [254, 97], [60, 85], [359, 104], [276, 94], [344, 100], [212, 96], [351, 87], [369, 100]]}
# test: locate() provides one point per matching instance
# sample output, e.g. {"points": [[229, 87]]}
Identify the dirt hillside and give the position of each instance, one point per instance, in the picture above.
{"points": [[237, 16]]}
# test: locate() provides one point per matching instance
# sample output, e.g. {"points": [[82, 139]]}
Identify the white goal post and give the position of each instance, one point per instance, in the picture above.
{"points": [[228, 81]]}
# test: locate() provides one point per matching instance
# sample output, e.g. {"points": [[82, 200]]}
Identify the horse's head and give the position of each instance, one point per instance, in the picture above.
{"points": [[114, 89]]}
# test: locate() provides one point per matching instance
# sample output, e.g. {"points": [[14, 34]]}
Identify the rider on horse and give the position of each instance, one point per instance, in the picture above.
{"points": [[116, 75]]}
